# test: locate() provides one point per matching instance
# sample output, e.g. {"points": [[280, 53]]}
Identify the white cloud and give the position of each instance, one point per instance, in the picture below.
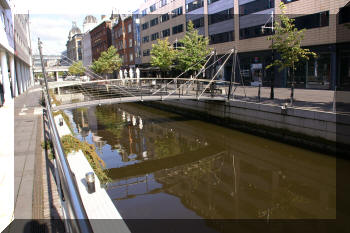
{"points": [[52, 31], [75, 6], [51, 20]]}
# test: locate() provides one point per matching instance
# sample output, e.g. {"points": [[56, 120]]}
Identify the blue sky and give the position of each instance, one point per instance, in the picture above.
{"points": [[51, 20]]}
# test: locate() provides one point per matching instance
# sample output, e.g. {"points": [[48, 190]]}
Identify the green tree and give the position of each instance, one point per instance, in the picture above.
{"points": [[162, 55], [191, 56], [108, 62], [287, 42], [77, 68]]}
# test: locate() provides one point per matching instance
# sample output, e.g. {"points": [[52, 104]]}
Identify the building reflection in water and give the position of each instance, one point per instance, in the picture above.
{"points": [[199, 170]]}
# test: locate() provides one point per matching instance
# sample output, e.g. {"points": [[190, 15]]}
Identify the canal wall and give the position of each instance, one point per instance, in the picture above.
{"points": [[314, 130]]}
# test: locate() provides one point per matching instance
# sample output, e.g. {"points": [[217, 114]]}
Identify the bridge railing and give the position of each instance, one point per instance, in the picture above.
{"points": [[76, 219], [138, 89]]}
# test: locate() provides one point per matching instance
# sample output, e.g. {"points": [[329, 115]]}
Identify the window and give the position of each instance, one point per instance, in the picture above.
{"points": [[255, 6], [312, 21], [155, 36], [163, 3], [344, 15], [197, 23], [154, 22], [130, 43], [165, 17], [212, 1], [129, 27], [144, 12], [166, 32], [288, 1], [131, 57], [251, 32], [145, 53], [145, 26], [220, 16], [222, 37], [152, 8], [178, 29], [176, 12], [194, 5], [145, 39]]}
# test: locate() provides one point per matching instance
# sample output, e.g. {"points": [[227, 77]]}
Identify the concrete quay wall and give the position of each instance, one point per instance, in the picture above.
{"points": [[311, 129]]}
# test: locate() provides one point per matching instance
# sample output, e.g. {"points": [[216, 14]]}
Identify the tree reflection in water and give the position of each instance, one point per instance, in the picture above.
{"points": [[196, 169]]}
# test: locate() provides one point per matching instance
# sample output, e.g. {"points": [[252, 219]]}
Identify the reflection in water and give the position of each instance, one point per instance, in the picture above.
{"points": [[166, 166]]}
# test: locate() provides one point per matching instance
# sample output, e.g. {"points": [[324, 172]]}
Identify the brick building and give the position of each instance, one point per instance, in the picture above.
{"points": [[100, 38], [123, 39]]}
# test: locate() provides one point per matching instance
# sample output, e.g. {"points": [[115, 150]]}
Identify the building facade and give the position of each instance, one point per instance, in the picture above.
{"points": [[100, 38], [86, 49], [15, 54], [160, 19], [74, 47], [137, 36], [123, 39], [238, 24]]}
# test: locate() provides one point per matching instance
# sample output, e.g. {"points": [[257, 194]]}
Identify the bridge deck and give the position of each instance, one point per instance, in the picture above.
{"points": [[132, 99]]}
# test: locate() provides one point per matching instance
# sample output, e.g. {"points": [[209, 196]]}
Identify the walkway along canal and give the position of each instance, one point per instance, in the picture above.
{"points": [[167, 166]]}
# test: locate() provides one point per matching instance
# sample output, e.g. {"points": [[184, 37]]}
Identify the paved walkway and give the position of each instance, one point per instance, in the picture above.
{"points": [[34, 193]]}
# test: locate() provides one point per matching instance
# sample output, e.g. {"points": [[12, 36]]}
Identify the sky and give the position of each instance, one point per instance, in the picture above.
{"points": [[51, 20]]}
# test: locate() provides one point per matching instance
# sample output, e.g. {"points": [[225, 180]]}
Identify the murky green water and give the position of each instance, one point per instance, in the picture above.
{"points": [[165, 166]]}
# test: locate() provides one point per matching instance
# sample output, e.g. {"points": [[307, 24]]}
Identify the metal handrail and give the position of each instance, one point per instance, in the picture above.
{"points": [[76, 215]]}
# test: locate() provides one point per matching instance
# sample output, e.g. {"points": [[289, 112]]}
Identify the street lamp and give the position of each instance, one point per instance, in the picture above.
{"points": [[272, 19]]}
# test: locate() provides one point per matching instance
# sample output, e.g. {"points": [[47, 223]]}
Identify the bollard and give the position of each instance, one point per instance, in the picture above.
{"points": [[90, 180], [61, 121], [259, 91]]}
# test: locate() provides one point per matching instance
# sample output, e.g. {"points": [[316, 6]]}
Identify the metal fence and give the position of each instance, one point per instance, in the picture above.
{"points": [[76, 219]]}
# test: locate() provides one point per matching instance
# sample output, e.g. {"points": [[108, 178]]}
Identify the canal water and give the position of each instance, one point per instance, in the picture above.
{"points": [[166, 166]]}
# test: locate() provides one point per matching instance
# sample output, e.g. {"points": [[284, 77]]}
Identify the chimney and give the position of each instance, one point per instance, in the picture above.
{"points": [[103, 17]]}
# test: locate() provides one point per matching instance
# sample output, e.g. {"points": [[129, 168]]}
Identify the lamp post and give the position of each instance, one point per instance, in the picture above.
{"points": [[272, 18]]}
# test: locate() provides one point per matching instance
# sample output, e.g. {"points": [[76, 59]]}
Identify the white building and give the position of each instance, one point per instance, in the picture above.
{"points": [[15, 54], [89, 23], [86, 46]]}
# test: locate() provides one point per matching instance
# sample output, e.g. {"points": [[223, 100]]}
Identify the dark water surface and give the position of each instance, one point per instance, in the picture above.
{"points": [[165, 166]]}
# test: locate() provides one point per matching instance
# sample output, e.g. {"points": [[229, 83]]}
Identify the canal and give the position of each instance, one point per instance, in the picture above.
{"points": [[166, 166]]}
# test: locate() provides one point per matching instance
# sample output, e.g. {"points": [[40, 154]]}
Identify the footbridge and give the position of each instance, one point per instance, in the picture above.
{"points": [[74, 94]]}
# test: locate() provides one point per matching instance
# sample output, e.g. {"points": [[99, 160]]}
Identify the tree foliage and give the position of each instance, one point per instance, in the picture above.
{"points": [[162, 55], [108, 62], [192, 54], [77, 68], [287, 42]]}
